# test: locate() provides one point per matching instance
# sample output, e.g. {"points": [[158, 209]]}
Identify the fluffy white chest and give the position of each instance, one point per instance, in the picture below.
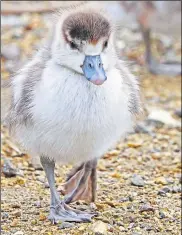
{"points": [[76, 120]]}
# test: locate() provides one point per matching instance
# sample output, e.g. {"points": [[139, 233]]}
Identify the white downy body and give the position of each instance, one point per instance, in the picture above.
{"points": [[74, 120]]}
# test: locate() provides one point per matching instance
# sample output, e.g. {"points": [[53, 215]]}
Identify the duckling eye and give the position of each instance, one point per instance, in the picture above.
{"points": [[105, 44], [73, 45]]}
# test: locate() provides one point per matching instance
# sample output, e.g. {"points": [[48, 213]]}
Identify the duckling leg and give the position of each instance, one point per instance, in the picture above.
{"points": [[168, 68], [59, 211], [81, 183]]}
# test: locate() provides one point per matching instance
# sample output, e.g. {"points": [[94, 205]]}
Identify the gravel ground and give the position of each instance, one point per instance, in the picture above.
{"points": [[139, 182]]}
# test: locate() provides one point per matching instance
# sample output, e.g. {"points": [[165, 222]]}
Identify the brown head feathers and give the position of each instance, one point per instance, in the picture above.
{"points": [[86, 27]]}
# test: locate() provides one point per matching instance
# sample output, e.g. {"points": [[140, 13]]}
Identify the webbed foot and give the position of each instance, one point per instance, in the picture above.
{"points": [[62, 212]]}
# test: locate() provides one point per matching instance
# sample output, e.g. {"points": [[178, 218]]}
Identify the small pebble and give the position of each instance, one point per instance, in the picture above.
{"points": [[8, 169], [93, 206], [161, 215], [46, 185], [134, 194], [141, 128], [19, 233], [163, 117], [131, 225], [161, 180], [176, 189], [122, 229], [99, 228], [148, 228], [110, 228], [170, 180], [16, 206], [40, 179], [130, 198], [37, 204], [38, 167], [66, 225], [16, 214], [37, 173], [165, 190], [124, 199], [146, 207], [154, 123], [5, 215], [10, 52], [137, 180]]}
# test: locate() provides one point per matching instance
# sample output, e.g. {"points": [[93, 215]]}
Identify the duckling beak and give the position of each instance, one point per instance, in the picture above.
{"points": [[93, 70]]}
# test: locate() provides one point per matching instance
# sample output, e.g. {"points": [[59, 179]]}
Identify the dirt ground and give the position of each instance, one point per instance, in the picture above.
{"points": [[150, 160]]}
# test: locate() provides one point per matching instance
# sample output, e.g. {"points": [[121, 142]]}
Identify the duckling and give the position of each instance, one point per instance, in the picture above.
{"points": [[152, 16], [156, 16], [72, 101]]}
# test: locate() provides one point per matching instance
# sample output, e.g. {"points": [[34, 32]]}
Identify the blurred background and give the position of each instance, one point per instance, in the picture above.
{"points": [[150, 31]]}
